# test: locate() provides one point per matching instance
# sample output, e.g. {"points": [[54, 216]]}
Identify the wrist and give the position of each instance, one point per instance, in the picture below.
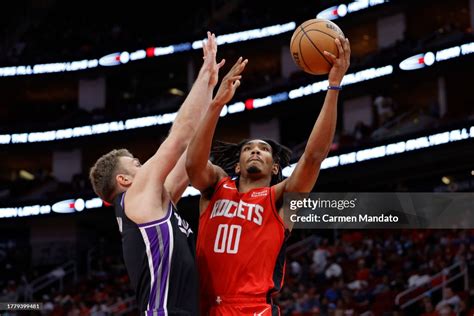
{"points": [[334, 88], [204, 74]]}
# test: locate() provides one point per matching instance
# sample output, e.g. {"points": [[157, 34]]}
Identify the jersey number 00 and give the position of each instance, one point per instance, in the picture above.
{"points": [[227, 239]]}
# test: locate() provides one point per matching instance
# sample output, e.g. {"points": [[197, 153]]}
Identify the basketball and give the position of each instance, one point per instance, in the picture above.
{"points": [[308, 43]]}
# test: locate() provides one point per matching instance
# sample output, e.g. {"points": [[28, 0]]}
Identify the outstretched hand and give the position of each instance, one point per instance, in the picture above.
{"points": [[209, 49], [339, 64], [230, 82]]}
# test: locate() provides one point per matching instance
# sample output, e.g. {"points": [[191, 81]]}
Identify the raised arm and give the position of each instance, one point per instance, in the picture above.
{"points": [[317, 148], [202, 173], [200, 95], [149, 182], [194, 107]]}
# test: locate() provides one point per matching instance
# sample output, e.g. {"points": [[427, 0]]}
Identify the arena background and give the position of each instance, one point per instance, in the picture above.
{"points": [[59, 246]]}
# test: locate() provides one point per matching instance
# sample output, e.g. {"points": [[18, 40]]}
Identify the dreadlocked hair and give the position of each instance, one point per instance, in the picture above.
{"points": [[226, 155]]}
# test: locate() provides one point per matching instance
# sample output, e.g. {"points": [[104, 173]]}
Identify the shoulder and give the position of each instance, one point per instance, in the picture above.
{"points": [[224, 180], [220, 174], [278, 189], [143, 204]]}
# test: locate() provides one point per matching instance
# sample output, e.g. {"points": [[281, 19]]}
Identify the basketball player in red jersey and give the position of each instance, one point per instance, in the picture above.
{"points": [[242, 229]]}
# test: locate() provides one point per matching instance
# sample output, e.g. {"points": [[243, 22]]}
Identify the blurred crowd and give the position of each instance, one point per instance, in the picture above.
{"points": [[361, 273], [353, 273]]}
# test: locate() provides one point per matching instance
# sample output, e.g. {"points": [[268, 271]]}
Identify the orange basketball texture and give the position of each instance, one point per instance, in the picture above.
{"points": [[308, 43]]}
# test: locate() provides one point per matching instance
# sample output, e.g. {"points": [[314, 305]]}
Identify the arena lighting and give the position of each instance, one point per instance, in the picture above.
{"points": [[48, 68], [251, 34], [147, 121], [64, 207], [110, 60], [120, 58], [342, 10], [26, 175], [446, 180], [393, 149], [427, 59], [250, 104], [352, 78], [72, 206]]}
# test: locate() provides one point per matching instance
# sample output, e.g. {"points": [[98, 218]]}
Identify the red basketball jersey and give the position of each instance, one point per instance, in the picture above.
{"points": [[240, 247]]}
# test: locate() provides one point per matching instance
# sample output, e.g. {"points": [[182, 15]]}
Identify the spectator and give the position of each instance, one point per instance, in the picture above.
{"points": [[333, 269], [428, 307], [361, 131], [363, 273], [320, 259], [445, 310], [380, 268], [385, 109], [416, 280], [449, 299], [295, 269], [333, 293]]}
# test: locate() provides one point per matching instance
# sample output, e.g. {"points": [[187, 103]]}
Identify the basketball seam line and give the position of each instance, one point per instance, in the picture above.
{"points": [[302, 29], [299, 49], [304, 32]]}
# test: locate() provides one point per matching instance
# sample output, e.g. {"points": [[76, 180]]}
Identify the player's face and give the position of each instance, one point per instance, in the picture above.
{"points": [[256, 158], [129, 166], [127, 169]]}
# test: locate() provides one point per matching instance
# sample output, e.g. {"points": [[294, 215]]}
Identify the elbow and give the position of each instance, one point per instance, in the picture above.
{"points": [[197, 173], [183, 130], [192, 168], [195, 177], [189, 165]]}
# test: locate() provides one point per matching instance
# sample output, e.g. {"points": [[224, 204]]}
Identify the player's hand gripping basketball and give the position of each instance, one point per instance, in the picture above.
{"points": [[230, 83], [341, 63], [210, 65]]}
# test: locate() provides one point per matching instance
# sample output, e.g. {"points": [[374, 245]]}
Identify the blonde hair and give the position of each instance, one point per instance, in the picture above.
{"points": [[102, 174]]}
